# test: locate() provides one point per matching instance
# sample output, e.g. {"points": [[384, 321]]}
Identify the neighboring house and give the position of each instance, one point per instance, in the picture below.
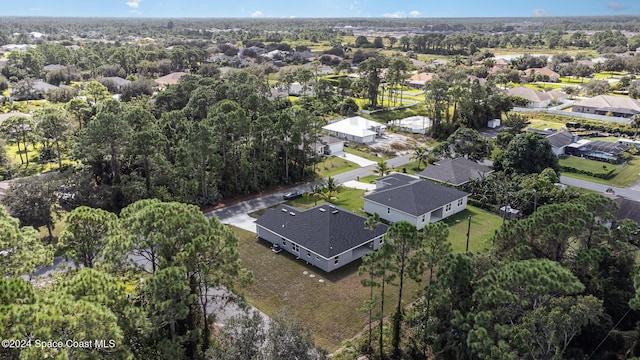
{"points": [[37, 92], [541, 74], [297, 89], [619, 106], [611, 152], [118, 81], [560, 140], [455, 172], [170, 79], [332, 145], [627, 208], [52, 67], [417, 124], [402, 197], [537, 99], [419, 80], [325, 236], [356, 129]]}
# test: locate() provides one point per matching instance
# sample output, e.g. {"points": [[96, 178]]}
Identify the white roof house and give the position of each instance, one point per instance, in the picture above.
{"points": [[356, 129]]}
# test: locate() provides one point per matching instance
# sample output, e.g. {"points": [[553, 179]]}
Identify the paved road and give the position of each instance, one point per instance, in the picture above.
{"points": [[626, 192], [238, 212]]}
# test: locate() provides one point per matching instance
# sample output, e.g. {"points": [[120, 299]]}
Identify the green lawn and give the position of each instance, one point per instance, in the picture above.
{"points": [[34, 166], [328, 309], [596, 167], [623, 177], [483, 226], [368, 179], [334, 165]]}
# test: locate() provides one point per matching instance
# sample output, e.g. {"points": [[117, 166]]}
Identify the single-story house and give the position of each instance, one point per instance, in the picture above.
{"points": [[325, 236], [456, 172], [419, 80], [534, 74], [560, 140], [327, 145], [537, 99], [402, 197], [417, 124], [170, 79], [356, 129], [627, 208], [618, 106], [598, 150]]}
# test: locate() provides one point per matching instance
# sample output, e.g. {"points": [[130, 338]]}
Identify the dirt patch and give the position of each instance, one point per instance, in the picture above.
{"points": [[392, 144]]}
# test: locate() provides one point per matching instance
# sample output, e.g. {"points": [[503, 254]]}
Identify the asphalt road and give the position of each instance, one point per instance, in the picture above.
{"points": [[626, 192]]}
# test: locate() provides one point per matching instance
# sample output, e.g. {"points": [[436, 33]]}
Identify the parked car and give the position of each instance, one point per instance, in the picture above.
{"points": [[292, 195], [276, 248]]}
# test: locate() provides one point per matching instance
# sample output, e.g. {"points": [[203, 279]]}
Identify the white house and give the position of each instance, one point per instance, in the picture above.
{"points": [[402, 197], [325, 236], [356, 129]]}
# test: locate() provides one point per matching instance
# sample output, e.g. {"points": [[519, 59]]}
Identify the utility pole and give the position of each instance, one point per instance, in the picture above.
{"points": [[468, 233]]}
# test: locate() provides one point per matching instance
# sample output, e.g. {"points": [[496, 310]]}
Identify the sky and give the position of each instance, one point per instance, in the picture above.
{"points": [[317, 8]]}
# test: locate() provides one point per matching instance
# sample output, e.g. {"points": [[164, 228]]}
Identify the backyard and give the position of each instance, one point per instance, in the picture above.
{"points": [[624, 175]]}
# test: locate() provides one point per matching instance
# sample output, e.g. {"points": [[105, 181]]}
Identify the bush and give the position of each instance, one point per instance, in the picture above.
{"points": [[601, 175]]}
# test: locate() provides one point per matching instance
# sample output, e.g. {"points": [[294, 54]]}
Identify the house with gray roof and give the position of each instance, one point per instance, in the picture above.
{"points": [[456, 172], [619, 106], [402, 197], [325, 236], [537, 99], [560, 140]]}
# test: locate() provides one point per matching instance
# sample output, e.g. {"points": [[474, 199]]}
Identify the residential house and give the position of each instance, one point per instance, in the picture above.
{"points": [[52, 67], [541, 74], [560, 140], [325, 236], [356, 129], [627, 208], [419, 80], [402, 197], [170, 79], [619, 106], [611, 152], [537, 99], [456, 172]]}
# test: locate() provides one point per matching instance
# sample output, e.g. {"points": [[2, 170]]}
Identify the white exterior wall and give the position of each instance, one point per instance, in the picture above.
{"points": [[311, 257], [359, 139], [393, 215], [557, 151], [336, 148], [389, 214]]}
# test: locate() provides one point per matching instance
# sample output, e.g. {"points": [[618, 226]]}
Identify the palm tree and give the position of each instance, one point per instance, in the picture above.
{"points": [[382, 168], [420, 154], [635, 123], [329, 191], [314, 192]]}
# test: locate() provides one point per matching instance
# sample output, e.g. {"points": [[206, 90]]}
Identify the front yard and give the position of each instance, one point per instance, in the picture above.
{"points": [[334, 165]]}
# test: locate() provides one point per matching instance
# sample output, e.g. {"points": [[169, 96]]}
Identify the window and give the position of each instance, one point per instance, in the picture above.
{"points": [[423, 217], [388, 210], [447, 208], [335, 260], [308, 253], [295, 247], [284, 242], [460, 202], [370, 245]]}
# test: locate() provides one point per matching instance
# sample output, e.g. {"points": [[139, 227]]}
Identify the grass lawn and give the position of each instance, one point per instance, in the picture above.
{"points": [[334, 165], [412, 168], [596, 167], [483, 226], [624, 176], [34, 167], [543, 124], [329, 309], [368, 179], [348, 198]]}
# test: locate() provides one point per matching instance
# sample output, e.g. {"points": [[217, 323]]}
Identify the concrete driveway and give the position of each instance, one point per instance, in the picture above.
{"points": [[357, 159]]}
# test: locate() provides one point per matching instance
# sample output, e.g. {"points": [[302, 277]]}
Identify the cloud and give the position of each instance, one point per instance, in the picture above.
{"points": [[616, 6], [540, 13], [397, 14], [415, 13], [137, 12], [134, 4], [256, 13], [35, 9]]}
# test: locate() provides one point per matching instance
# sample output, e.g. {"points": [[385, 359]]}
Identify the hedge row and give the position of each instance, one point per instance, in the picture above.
{"points": [[604, 175]]}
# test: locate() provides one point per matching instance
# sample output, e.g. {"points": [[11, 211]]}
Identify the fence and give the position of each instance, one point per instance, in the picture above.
{"points": [[575, 115]]}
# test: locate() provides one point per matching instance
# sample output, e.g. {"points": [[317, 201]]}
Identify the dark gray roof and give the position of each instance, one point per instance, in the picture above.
{"points": [[118, 80], [395, 179], [328, 233], [455, 171], [416, 198], [618, 110], [627, 208], [614, 148], [560, 139]]}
